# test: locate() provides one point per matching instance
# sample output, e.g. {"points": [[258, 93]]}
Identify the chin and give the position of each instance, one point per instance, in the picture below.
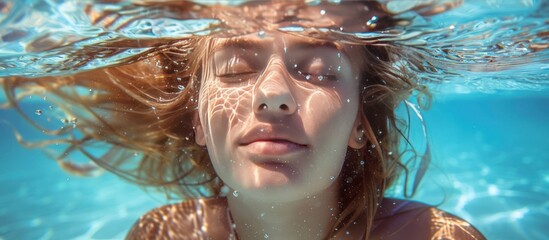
{"points": [[276, 187]]}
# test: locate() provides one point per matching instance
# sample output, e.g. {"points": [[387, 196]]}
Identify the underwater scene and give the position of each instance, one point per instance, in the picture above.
{"points": [[485, 130]]}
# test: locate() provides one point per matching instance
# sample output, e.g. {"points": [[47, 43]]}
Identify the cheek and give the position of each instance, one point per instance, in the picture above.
{"points": [[222, 111], [329, 119], [326, 112]]}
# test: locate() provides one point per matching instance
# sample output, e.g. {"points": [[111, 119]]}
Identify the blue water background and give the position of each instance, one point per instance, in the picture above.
{"points": [[488, 137], [491, 167]]}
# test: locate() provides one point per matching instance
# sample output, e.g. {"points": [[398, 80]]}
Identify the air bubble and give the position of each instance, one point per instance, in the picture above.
{"points": [[181, 87], [320, 78], [266, 236], [322, 12], [308, 77], [38, 112], [235, 193], [362, 162], [348, 100], [261, 34]]}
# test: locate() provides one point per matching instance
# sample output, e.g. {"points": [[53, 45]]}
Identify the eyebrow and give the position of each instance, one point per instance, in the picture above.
{"points": [[259, 44], [252, 44], [312, 45]]}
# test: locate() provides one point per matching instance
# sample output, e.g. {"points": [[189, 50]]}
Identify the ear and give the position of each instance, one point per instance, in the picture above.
{"points": [[357, 139], [199, 136]]}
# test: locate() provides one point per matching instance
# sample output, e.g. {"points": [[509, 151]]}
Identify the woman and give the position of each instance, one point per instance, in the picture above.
{"points": [[265, 132]]}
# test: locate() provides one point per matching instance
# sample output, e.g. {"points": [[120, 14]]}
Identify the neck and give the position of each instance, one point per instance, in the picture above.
{"points": [[308, 218]]}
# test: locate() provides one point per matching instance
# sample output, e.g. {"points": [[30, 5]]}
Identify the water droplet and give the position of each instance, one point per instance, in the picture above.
{"points": [[262, 215], [266, 236], [373, 146], [261, 34], [38, 112], [332, 177], [308, 77], [320, 78], [295, 65], [322, 12], [178, 79], [338, 55], [181, 87], [348, 100], [362, 162], [390, 153], [235, 193], [339, 68]]}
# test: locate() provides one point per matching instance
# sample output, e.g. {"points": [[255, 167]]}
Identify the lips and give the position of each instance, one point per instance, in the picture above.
{"points": [[265, 140], [274, 147]]}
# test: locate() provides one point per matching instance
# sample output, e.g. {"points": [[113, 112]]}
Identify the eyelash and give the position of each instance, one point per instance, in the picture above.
{"points": [[236, 73], [318, 77], [236, 77]]}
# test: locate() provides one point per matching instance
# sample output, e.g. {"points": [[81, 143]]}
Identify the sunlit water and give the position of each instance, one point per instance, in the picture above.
{"points": [[487, 125]]}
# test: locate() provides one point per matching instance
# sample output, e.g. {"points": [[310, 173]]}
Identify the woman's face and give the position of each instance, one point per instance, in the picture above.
{"points": [[276, 113]]}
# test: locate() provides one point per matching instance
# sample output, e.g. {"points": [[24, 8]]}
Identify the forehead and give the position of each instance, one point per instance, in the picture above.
{"points": [[272, 41]]}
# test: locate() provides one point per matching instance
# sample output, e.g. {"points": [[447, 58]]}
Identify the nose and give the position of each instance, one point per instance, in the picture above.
{"points": [[272, 92]]}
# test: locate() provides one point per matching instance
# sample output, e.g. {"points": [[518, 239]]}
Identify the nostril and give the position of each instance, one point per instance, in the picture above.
{"points": [[284, 107]]}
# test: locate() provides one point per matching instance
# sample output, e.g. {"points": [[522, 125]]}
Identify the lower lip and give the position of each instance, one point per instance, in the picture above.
{"points": [[274, 148]]}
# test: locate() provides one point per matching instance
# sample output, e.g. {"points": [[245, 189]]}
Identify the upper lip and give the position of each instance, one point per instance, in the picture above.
{"points": [[269, 133]]}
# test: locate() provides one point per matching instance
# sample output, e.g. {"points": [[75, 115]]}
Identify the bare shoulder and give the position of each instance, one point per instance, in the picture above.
{"points": [[401, 219], [186, 220]]}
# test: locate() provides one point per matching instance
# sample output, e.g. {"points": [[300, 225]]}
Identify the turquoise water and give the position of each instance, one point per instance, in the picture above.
{"points": [[491, 165], [487, 129]]}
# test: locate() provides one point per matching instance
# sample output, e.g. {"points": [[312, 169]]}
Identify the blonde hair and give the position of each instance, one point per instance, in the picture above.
{"points": [[143, 112]]}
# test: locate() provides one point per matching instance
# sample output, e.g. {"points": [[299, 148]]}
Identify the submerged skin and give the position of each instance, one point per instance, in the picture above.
{"points": [[211, 219], [278, 114], [253, 87]]}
